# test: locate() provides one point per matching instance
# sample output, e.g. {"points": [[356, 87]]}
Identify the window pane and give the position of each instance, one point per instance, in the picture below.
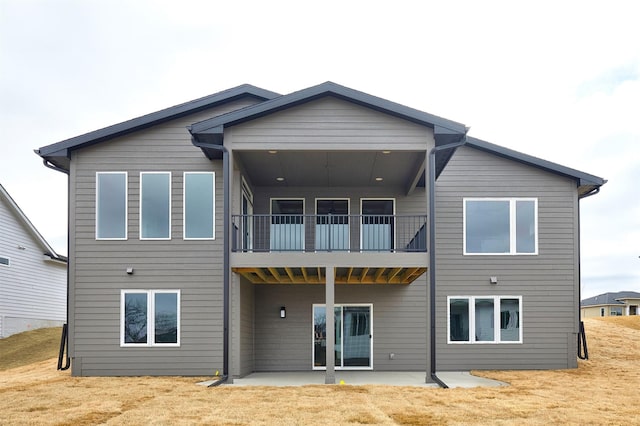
{"points": [[155, 205], [135, 318], [166, 318], [525, 227], [459, 320], [484, 320], [509, 320], [111, 204], [198, 205], [487, 226]]}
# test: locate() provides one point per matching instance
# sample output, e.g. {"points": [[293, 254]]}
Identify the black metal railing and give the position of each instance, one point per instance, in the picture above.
{"points": [[325, 233]]}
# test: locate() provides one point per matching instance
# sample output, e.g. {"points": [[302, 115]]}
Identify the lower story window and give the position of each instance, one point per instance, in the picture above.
{"points": [[150, 318], [616, 312], [484, 319]]}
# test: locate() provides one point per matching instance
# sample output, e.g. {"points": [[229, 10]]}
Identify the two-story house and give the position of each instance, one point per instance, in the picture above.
{"points": [[324, 229], [33, 277]]}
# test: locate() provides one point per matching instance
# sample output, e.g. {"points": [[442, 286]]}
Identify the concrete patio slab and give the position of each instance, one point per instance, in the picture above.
{"points": [[453, 379]]}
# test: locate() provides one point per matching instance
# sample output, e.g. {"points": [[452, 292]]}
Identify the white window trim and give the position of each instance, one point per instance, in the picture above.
{"points": [[512, 226], [394, 242], [140, 208], [126, 206], [8, 264], [472, 321], [184, 206], [304, 217], [150, 319]]}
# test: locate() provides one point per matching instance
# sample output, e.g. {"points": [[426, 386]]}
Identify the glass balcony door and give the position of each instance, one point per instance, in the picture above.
{"points": [[332, 225], [287, 224], [377, 229]]}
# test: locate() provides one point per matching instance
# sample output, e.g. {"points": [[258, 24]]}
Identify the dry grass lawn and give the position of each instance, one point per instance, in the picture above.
{"points": [[603, 390]]}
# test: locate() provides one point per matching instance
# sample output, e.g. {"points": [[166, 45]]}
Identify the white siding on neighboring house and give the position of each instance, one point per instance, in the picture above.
{"points": [[32, 289]]}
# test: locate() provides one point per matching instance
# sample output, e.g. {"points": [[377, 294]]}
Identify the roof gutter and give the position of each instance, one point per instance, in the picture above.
{"points": [[53, 166], [594, 191], [432, 252], [226, 248]]}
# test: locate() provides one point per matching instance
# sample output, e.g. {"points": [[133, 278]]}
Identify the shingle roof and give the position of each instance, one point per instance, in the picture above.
{"points": [[610, 298], [212, 130]]}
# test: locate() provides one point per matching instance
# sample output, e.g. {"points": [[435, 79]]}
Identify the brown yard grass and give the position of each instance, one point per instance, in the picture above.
{"points": [[26, 348], [603, 390]]}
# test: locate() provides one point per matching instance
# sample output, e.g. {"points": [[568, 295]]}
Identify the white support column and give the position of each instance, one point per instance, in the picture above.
{"points": [[330, 375]]}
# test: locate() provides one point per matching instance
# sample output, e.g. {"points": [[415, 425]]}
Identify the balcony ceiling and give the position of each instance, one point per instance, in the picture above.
{"points": [[333, 168], [316, 275]]}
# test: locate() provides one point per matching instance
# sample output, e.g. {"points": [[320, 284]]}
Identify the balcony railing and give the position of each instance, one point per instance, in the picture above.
{"points": [[329, 233]]}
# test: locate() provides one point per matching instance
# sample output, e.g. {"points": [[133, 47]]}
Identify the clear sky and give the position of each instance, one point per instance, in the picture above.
{"points": [[558, 80]]}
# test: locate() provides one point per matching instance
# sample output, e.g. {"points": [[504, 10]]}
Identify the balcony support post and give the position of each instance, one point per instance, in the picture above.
{"points": [[330, 277]]}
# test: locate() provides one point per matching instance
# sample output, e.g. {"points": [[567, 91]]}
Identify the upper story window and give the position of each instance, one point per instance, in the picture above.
{"points": [[199, 205], [111, 205], [4, 261], [155, 205], [500, 226], [150, 318]]}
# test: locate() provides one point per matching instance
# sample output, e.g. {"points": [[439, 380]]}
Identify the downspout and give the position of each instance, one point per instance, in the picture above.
{"points": [[583, 350], [432, 252], [226, 255], [64, 339]]}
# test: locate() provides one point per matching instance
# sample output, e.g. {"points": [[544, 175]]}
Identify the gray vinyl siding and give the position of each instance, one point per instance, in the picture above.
{"points": [[332, 124], [399, 318], [246, 326], [547, 282], [99, 267], [32, 290]]}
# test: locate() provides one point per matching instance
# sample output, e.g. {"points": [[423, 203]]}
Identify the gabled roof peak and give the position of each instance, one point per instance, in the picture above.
{"points": [[57, 153]]}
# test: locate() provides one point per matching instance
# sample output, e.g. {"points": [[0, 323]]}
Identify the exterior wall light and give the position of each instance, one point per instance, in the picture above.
{"points": [[283, 312], [493, 280], [129, 270]]}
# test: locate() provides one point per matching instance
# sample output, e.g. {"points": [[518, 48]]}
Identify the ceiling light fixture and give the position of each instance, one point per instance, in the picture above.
{"points": [[379, 179], [280, 179], [386, 152], [272, 151]]}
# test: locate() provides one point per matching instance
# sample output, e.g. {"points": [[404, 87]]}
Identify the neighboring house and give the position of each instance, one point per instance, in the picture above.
{"points": [[217, 234], [33, 277], [611, 304]]}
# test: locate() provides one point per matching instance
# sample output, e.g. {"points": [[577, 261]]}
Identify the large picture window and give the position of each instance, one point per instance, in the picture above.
{"points": [[150, 318], [155, 205], [500, 226], [199, 205], [484, 319], [111, 205]]}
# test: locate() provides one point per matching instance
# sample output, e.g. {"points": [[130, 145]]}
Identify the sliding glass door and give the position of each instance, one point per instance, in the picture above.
{"points": [[353, 336]]}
